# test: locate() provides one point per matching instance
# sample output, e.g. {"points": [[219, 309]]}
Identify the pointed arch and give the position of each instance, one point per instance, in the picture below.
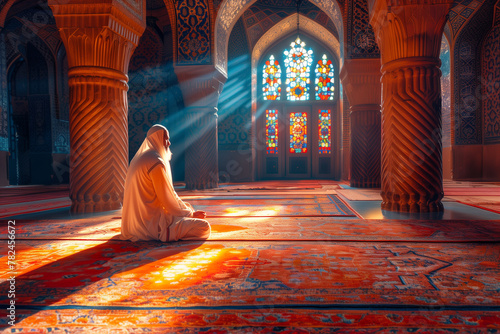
{"points": [[230, 11], [281, 30]]}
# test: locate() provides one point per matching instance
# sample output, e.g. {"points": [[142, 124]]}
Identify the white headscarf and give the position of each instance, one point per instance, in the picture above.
{"points": [[155, 140]]}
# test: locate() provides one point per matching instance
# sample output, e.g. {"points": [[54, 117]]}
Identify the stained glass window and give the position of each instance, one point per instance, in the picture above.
{"points": [[298, 132], [272, 131], [324, 79], [324, 131], [271, 80], [298, 65]]}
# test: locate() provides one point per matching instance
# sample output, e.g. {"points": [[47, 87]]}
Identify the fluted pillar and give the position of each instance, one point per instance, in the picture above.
{"points": [[99, 39], [409, 37], [361, 81], [201, 86]]}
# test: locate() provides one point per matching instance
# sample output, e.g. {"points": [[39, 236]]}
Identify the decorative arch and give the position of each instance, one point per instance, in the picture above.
{"points": [[4, 10], [231, 10], [283, 29]]}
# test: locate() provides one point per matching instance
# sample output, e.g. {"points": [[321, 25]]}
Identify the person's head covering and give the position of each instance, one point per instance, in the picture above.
{"points": [[155, 140]]}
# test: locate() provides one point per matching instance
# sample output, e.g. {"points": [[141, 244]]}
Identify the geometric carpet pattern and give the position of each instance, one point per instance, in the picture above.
{"points": [[308, 266], [278, 228]]}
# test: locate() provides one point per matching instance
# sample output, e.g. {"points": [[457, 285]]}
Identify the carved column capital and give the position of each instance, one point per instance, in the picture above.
{"points": [[201, 85], [361, 81], [406, 28], [100, 34]]}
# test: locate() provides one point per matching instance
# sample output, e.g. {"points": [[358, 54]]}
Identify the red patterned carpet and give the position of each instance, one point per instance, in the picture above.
{"points": [[305, 272]]}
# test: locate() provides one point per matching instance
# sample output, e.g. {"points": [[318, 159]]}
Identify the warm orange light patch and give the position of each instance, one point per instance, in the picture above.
{"points": [[259, 211], [226, 228], [190, 268]]}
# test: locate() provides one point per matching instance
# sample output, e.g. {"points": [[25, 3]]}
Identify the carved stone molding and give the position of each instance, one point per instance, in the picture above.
{"points": [[99, 39], [407, 28], [201, 85], [361, 81]]}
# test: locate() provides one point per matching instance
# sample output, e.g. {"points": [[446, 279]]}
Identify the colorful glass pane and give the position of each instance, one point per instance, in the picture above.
{"points": [[298, 65], [271, 80], [298, 132], [272, 131], [324, 131], [325, 85]]}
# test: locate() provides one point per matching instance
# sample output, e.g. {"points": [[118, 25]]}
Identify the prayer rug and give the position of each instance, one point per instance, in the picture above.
{"points": [[249, 285], [264, 206], [279, 228]]}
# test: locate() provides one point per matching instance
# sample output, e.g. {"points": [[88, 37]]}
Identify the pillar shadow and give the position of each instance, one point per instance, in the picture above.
{"points": [[57, 280]]}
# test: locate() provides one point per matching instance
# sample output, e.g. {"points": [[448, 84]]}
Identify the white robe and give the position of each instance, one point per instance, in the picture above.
{"points": [[152, 210]]}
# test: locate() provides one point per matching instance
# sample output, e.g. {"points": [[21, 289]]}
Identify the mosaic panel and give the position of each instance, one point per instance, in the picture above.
{"points": [[272, 133], [360, 37], [60, 131], [259, 19], [467, 84], [230, 9], [298, 132], [462, 12], [325, 79], [271, 80], [193, 31], [491, 86], [298, 62], [324, 131]]}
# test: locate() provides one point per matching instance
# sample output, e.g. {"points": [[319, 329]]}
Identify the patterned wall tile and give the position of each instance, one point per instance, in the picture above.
{"points": [[462, 12], [264, 14], [491, 86], [360, 37], [467, 104], [193, 32]]}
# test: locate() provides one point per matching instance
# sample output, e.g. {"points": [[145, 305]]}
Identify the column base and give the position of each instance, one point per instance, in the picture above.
{"points": [[369, 183], [411, 203], [101, 204]]}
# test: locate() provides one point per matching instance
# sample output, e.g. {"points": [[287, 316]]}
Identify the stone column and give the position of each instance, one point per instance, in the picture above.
{"points": [[201, 86], [361, 82], [409, 38], [99, 39]]}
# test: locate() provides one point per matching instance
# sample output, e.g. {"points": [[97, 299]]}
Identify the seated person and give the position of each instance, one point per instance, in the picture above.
{"points": [[152, 210]]}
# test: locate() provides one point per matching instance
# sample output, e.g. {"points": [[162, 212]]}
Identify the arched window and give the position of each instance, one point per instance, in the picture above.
{"points": [[324, 79], [298, 66], [271, 79]]}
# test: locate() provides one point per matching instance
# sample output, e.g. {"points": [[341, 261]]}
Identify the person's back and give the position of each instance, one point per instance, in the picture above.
{"points": [[152, 210]]}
